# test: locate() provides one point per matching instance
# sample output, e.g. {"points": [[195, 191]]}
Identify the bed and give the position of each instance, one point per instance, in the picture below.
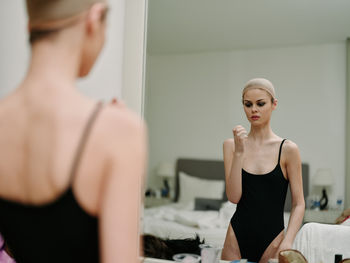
{"points": [[321, 242], [183, 219]]}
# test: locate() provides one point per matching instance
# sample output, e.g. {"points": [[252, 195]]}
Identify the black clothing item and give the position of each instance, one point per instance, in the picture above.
{"points": [[259, 215], [60, 231]]}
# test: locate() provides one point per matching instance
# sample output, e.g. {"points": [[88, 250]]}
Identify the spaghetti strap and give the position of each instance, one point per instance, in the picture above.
{"points": [[279, 154], [83, 140]]}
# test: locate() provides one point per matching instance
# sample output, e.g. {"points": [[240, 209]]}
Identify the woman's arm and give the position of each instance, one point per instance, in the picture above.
{"points": [[233, 162], [119, 214], [293, 167]]}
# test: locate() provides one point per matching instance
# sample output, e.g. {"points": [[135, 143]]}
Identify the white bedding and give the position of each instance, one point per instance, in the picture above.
{"points": [[320, 242], [178, 221]]}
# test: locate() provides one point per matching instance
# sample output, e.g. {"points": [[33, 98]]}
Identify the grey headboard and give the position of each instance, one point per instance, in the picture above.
{"points": [[305, 174], [205, 169], [214, 170]]}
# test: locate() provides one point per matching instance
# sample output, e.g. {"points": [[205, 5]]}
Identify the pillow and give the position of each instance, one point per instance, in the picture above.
{"points": [[203, 204], [192, 187]]}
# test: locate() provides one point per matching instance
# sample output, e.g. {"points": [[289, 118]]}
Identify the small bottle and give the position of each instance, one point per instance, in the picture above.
{"points": [[317, 205], [309, 202], [338, 258], [340, 204]]}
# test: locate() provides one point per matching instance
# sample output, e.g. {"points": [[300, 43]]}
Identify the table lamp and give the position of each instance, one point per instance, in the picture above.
{"points": [[323, 178], [166, 171]]}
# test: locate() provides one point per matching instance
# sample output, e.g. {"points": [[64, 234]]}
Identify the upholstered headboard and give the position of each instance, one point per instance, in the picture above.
{"points": [[214, 170], [305, 174], [204, 169]]}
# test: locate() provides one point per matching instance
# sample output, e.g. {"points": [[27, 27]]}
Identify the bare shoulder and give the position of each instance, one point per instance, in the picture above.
{"points": [[291, 153], [290, 147], [122, 118], [121, 126], [229, 145]]}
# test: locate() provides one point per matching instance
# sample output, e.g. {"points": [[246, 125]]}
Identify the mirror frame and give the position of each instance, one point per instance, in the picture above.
{"points": [[134, 54], [347, 131]]}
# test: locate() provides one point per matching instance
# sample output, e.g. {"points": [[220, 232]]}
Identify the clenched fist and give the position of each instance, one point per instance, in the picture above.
{"points": [[240, 137]]}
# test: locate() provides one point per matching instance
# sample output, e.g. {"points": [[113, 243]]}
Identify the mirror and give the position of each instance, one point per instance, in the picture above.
{"points": [[200, 53]]}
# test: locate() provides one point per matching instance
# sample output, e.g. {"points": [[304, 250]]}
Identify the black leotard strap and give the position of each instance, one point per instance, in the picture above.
{"points": [[279, 154], [83, 140]]}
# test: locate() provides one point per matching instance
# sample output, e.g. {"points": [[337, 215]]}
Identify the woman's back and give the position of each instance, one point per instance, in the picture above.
{"points": [[38, 144], [46, 205]]}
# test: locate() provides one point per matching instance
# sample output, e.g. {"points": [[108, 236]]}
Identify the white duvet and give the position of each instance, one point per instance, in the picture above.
{"points": [[320, 242], [185, 215], [178, 221]]}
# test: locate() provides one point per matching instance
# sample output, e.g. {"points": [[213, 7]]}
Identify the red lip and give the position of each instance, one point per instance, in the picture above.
{"points": [[255, 118]]}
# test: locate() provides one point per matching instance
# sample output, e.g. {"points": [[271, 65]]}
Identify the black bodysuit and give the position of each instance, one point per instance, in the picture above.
{"points": [[60, 231], [259, 215]]}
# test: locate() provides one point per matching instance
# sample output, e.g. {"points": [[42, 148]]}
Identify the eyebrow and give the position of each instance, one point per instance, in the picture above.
{"points": [[257, 100]]}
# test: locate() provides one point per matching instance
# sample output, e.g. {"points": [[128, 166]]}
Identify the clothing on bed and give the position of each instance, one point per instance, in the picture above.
{"points": [[60, 231], [345, 215], [166, 248], [263, 197]]}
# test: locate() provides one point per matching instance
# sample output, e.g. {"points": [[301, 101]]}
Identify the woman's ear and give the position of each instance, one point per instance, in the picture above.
{"points": [[274, 104], [93, 18]]}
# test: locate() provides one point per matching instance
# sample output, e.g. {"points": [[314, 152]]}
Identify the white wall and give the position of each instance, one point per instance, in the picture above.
{"points": [[104, 81], [194, 100], [14, 51]]}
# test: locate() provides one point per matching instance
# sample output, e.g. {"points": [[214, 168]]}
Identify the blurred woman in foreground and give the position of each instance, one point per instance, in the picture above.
{"points": [[70, 167]]}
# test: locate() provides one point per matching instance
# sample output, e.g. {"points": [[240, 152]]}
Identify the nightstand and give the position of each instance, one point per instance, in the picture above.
{"points": [[153, 201], [321, 216]]}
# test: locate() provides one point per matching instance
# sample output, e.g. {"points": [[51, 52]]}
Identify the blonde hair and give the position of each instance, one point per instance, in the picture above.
{"points": [[47, 17], [42, 11], [260, 83]]}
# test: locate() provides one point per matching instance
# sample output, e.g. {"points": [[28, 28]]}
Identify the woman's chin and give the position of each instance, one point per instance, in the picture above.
{"points": [[84, 72], [258, 123]]}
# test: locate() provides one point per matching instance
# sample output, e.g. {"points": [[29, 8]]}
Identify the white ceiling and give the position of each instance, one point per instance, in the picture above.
{"points": [[182, 26]]}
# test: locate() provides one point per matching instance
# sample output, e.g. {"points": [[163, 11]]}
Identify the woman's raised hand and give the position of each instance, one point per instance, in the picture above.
{"points": [[240, 137]]}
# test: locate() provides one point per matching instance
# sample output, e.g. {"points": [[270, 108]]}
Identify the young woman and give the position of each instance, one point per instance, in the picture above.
{"points": [[70, 167], [258, 167]]}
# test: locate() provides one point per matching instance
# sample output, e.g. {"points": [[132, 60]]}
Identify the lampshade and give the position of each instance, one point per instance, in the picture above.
{"points": [[165, 169], [323, 177]]}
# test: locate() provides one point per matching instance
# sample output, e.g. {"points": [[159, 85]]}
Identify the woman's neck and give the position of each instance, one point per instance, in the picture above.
{"points": [[54, 63], [261, 133]]}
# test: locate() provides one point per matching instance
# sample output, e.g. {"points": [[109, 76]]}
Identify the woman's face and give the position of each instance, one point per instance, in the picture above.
{"points": [[258, 106]]}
